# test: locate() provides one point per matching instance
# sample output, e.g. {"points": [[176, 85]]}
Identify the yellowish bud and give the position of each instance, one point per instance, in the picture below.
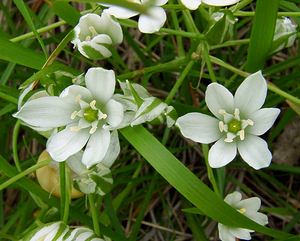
{"points": [[48, 178]]}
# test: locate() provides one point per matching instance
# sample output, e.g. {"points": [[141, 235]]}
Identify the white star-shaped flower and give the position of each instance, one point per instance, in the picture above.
{"points": [[88, 114], [194, 4], [248, 207], [238, 123], [95, 34], [149, 22]]}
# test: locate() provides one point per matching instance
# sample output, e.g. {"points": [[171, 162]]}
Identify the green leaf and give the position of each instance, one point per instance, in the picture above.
{"points": [[24, 11], [16, 53], [185, 182], [262, 33], [66, 12]]}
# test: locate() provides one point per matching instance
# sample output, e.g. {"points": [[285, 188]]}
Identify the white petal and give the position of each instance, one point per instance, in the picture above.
{"points": [[120, 12], [75, 164], [101, 83], [220, 2], [45, 231], [233, 199], [263, 120], [191, 4], [153, 21], [114, 111], [199, 127], [251, 94], [217, 98], [72, 92], [255, 152], [224, 233], [250, 204], [241, 233], [96, 148], [149, 110], [160, 2], [92, 50], [113, 150], [258, 217], [110, 27], [47, 112], [66, 143], [221, 153]]}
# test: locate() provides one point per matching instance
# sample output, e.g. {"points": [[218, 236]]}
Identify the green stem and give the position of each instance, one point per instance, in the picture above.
{"points": [[205, 54], [64, 191], [24, 173], [210, 173], [280, 14], [179, 82], [230, 43], [15, 145], [228, 66], [282, 93], [157, 68], [40, 30], [94, 214], [8, 98]]}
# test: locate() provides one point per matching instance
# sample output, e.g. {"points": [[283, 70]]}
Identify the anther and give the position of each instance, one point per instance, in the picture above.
{"points": [[242, 210], [237, 114], [241, 133], [250, 122], [93, 105], [78, 98], [221, 126], [75, 128]]}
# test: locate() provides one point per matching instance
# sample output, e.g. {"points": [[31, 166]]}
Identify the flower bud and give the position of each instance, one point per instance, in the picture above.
{"points": [[285, 34], [48, 177]]}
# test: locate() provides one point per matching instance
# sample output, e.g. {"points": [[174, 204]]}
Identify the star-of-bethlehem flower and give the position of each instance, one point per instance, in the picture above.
{"points": [[89, 114], [194, 4], [94, 35], [238, 123], [150, 22], [249, 207]]}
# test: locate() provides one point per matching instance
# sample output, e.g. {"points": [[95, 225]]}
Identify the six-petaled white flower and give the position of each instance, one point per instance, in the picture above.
{"points": [[150, 22], [88, 115], [95, 34], [240, 120], [194, 4], [248, 207]]}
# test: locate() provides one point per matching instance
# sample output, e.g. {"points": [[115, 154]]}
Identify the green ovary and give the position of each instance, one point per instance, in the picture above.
{"points": [[90, 114], [234, 126]]}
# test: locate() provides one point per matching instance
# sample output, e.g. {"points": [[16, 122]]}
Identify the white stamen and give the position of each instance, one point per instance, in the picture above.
{"points": [[237, 114], [93, 105], [229, 138], [93, 31], [241, 133], [94, 127], [250, 122], [221, 126], [74, 114], [101, 116]]}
